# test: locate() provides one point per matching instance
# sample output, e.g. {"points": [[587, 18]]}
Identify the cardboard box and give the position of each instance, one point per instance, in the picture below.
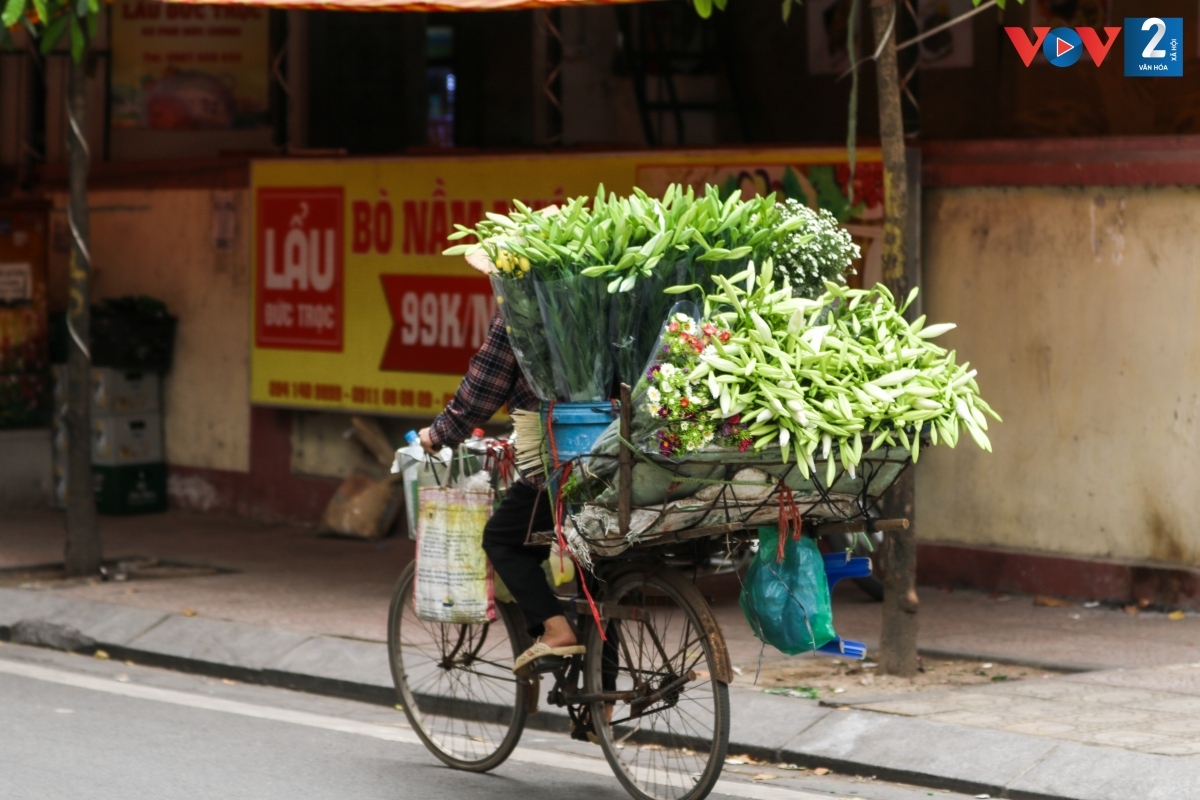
{"points": [[117, 391], [131, 489], [114, 391], [127, 439]]}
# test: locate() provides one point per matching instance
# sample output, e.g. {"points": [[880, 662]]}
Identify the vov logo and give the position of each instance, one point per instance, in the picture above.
{"points": [[1153, 45], [1062, 47]]}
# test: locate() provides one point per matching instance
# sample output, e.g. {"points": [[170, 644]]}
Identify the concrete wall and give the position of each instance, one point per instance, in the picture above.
{"points": [[1079, 308], [160, 243]]}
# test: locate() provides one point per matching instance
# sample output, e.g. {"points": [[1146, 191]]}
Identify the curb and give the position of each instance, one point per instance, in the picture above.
{"points": [[903, 749]]}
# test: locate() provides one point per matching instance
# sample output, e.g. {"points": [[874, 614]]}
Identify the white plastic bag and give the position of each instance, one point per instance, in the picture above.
{"points": [[454, 581]]}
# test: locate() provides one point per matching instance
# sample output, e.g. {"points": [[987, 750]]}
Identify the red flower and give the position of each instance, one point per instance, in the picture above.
{"points": [[726, 336], [683, 402], [710, 329]]}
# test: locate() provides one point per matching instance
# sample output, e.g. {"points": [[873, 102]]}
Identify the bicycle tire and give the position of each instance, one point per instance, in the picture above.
{"points": [[678, 758], [507, 719]]}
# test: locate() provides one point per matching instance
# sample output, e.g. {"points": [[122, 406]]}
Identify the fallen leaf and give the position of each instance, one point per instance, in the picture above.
{"points": [[100, 654], [1132, 610], [1176, 616], [790, 766], [734, 761], [228, 682], [1051, 602], [189, 612], [764, 776], [820, 771]]}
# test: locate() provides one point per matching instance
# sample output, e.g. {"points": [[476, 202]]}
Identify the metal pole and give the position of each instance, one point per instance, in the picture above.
{"points": [[82, 556]]}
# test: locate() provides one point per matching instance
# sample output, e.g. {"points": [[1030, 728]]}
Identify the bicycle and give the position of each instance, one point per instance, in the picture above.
{"points": [[662, 666]]}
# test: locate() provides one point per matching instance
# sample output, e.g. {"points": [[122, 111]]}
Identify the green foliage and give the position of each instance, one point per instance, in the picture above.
{"points": [[48, 21]]}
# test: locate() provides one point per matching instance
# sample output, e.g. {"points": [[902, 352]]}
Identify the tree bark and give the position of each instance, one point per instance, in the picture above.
{"points": [[898, 640], [82, 556]]}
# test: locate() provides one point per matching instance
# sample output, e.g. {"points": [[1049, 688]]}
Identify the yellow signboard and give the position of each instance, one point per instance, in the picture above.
{"points": [[189, 67], [356, 309]]}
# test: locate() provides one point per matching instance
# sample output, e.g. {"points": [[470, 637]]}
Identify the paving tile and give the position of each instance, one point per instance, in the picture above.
{"points": [[339, 659], [1080, 772], [763, 721], [922, 749], [215, 641]]}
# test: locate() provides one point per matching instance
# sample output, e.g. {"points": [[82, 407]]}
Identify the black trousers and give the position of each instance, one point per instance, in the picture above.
{"points": [[519, 566]]}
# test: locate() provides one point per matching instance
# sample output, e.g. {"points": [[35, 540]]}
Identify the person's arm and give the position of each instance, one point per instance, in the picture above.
{"points": [[488, 385]]}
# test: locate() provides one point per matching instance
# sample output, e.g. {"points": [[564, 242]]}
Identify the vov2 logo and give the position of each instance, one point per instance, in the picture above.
{"points": [[1153, 45]]}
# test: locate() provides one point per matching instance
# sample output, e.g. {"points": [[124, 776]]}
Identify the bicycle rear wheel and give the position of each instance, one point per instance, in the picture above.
{"points": [[668, 738], [455, 682]]}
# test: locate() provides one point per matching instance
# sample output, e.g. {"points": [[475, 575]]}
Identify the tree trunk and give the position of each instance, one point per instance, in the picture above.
{"points": [[898, 641], [82, 556]]}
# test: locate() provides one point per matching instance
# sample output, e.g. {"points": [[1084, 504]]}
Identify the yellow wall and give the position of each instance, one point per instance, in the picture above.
{"points": [[1079, 308], [160, 243]]}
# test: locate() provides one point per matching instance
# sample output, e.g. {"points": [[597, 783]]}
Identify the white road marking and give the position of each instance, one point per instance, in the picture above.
{"points": [[403, 735]]}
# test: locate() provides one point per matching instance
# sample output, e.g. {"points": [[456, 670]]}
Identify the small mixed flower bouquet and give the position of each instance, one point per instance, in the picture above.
{"points": [[688, 412]]}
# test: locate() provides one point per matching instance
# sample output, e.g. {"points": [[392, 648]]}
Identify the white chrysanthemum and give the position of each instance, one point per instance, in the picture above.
{"points": [[667, 388], [666, 370], [654, 395]]}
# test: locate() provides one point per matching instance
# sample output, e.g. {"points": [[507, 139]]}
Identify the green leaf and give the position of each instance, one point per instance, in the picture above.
{"points": [[703, 8], [40, 7], [78, 41], [13, 10], [81, 8], [787, 10], [681, 289], [93, 21], [54, 33]]}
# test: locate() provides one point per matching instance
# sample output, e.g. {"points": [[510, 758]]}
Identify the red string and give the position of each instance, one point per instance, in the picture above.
{"points": [[559, 509], [550, 433], [790, 523]]}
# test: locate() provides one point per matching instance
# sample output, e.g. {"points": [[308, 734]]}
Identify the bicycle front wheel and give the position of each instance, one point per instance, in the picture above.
{"points": [[455, 682], [669, 734]]}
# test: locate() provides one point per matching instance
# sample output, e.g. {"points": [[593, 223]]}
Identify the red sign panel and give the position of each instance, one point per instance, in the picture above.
{"points": [[437, 323], [300, 268]]}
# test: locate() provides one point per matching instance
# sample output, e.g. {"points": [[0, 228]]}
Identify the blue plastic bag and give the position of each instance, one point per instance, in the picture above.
{"points": [[787, 603]]}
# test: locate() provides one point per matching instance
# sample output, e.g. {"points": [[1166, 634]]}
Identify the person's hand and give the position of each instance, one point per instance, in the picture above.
{"points": [[426, 441]]}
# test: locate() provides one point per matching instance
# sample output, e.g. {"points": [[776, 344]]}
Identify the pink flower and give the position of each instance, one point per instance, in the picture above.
{"points": [[710, 329], [674, 326]]}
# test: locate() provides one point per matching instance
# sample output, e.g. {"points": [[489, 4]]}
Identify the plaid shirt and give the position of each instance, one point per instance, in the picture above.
{"points": [[493, 379]]}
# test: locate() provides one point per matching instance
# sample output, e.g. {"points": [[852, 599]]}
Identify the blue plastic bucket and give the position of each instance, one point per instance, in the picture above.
{"points": [[576, 427]]}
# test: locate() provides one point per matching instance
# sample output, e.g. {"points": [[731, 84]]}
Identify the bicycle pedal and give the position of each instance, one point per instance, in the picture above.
{"points": [[547, 664]]}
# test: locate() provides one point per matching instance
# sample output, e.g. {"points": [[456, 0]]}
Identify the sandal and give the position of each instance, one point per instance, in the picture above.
{"points": [[542, 650]]}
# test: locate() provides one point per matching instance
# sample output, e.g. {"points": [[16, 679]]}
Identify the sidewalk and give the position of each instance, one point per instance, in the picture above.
{"points": [[292, 609]]}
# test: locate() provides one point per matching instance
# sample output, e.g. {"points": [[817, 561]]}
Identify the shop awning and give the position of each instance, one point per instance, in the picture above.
{"points": [[406, 5]]}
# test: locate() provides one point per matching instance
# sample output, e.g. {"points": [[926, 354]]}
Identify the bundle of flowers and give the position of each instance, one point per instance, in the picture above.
{"points": [[825, 380], [688, 417], [596, 270]]}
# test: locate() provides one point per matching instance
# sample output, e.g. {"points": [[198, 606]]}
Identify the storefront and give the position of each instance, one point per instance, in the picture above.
{"points": [[1062, 249]]}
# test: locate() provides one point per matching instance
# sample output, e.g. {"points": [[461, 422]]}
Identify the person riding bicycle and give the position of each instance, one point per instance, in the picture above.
{"points": [[494, 379]]}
